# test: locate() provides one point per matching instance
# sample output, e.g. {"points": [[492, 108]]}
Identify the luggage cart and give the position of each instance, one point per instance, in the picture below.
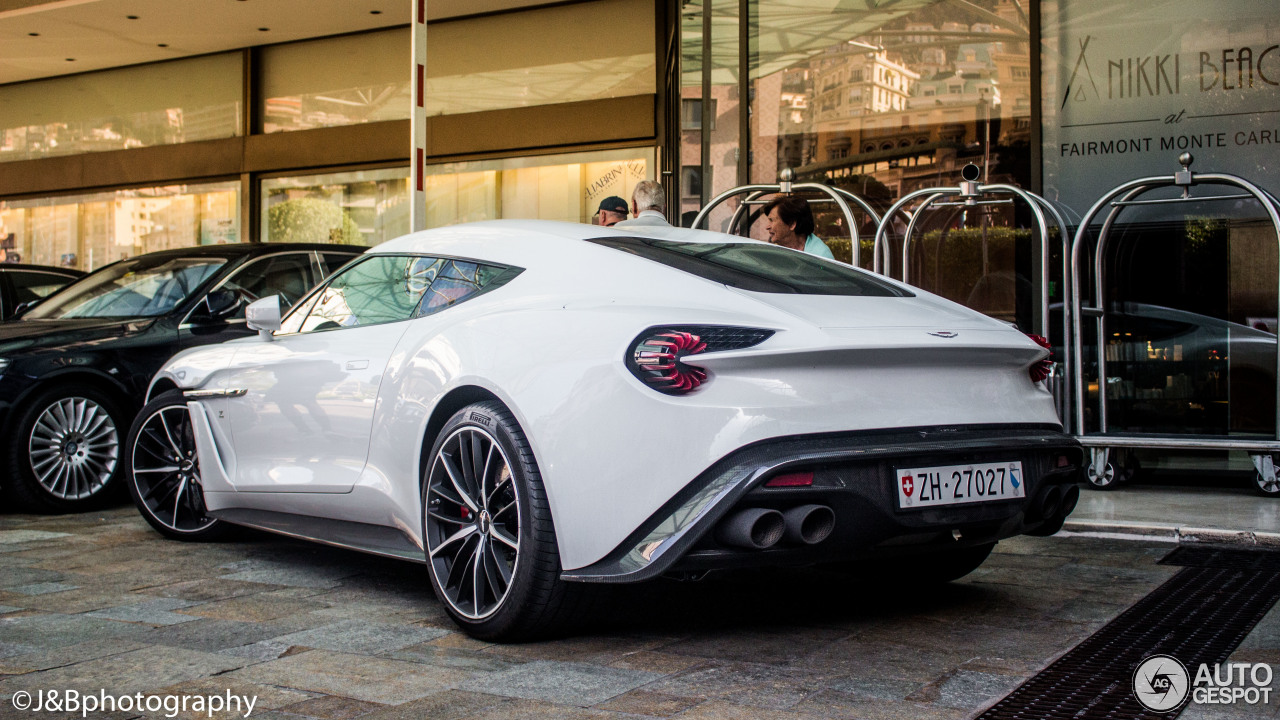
{"points": [[971, 193], [1101, 472], [786, 185]]}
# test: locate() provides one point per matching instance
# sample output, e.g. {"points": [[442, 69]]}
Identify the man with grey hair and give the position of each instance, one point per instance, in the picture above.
{"points": [[648, 204]]}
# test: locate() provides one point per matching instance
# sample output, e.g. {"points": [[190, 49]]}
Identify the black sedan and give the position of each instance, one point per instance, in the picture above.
{"points": [[74, 369], [21, 285]]}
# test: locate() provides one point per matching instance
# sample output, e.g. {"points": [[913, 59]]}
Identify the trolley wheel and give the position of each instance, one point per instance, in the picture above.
{"points": [[1105, 481], [1266, 488]]}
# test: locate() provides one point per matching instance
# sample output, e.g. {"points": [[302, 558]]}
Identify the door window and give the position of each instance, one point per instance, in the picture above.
{"points": [[378, 289], [29, 285], [287, 275]]}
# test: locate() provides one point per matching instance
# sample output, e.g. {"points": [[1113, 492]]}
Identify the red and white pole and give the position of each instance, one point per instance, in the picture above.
{"points": [[418, 120]]}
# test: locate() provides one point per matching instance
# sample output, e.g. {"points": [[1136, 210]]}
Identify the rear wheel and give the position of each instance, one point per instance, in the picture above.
{"points": [[490, 544], [1265, 487], [65, 450], [164, 477]]}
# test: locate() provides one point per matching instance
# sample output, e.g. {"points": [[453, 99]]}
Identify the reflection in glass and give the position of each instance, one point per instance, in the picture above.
{"points": [[144, 106], [379, 289], [315, 84], [89, 231], [141, 287], [542, 56], [366, 207], [550, 187]]}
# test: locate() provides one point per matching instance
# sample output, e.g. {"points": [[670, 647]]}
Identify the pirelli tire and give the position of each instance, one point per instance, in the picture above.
{"points": [[489, 539]]}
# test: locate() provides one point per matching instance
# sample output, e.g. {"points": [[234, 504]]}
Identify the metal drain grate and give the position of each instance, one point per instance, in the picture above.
{"points": [[1199, 616], [1212, 556]]}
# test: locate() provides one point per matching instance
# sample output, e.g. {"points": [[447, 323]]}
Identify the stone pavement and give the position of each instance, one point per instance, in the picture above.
{"points": [[100, 602]]}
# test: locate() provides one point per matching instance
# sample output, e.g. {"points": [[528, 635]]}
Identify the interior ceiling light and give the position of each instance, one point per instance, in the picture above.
{"points": [[162, 44], [132, 17], [375, 12], [264, 29], [34, 34]]}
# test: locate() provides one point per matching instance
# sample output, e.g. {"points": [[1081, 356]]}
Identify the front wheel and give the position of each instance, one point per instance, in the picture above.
{"points": [[164, 477], [490, 544], [64, 452]]}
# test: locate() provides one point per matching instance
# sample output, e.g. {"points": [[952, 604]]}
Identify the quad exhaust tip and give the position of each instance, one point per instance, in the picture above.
{"points": [[809, 524], [752, 528], [762, 528]]}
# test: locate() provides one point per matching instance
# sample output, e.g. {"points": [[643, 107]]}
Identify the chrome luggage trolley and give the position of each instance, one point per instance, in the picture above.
{"points": [[787, 185], [971, 193], [1101, 472]]}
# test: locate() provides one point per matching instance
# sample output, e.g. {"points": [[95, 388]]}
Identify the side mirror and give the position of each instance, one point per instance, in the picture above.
{"points": [[219, 305], [264, 316]]}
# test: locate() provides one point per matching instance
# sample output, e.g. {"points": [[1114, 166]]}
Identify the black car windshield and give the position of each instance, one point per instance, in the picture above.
{"points": [[758, 267], [138, 287]]}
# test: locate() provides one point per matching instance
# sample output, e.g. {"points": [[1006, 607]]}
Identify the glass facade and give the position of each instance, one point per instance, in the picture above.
{"points": [[315, 83], [135, 107], [581, 51], [88, 231], [365, 207], [549, 187]]}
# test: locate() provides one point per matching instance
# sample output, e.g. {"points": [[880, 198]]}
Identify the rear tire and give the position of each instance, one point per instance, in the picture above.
{"points": [[489, 540], [164, 472], [64, 453]]}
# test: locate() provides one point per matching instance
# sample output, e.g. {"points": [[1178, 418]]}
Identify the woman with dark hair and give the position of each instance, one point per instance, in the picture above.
{"points": [[790, 224]]}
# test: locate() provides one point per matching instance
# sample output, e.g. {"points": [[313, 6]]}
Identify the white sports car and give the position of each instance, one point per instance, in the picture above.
{"points": [[529, 407]]}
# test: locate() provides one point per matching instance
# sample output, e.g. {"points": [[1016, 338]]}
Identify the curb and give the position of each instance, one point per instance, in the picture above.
{"points": [[1170, 533]]}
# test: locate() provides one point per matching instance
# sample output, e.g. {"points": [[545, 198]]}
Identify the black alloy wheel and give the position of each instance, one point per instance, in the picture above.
{"points": [[164, 471], [489, 542]]}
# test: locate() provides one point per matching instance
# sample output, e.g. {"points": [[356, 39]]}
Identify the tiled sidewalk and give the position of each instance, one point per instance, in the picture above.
{"points": [[100, 602]]}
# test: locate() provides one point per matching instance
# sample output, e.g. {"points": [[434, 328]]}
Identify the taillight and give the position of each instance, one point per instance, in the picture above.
{"points": [[660, 360], [658, 355], [1041, 369]]}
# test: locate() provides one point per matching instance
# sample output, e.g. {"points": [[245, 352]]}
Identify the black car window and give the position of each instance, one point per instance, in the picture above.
{"points": [[331, 261], [457, 280], [287, 275], [758, 267], [31, 285], [145, 286], [378, 289]]}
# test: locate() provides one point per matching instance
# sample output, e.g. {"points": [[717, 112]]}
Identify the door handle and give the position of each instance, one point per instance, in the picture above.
{"points": [[357, 364]]}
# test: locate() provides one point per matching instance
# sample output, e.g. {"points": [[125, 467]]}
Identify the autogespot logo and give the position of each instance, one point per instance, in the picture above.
{"points": [[1161, 683]]}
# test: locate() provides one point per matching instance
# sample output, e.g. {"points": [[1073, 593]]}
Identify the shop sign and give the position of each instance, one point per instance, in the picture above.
{"points": [[1130, 86]]}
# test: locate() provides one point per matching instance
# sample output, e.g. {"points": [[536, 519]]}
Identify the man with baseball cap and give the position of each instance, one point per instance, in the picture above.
{"points": [[612, 209]]}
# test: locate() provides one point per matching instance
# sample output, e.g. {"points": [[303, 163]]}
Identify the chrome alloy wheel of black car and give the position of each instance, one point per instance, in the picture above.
{"points": [[166, 471], [73, 448], [472, 522]]}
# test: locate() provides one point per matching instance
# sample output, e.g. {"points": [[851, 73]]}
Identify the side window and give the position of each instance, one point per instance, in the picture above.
{"points": [[28, 286], [455, 281], [287, 275], [378, 289]]}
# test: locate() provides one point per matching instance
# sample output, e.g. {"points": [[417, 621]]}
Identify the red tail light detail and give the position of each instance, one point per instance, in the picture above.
{"points": [[1042, 369], [660, 360], [799, 479]]}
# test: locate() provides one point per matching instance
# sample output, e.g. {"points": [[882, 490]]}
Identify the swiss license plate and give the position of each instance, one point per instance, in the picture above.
{"points": [[959, 484]]}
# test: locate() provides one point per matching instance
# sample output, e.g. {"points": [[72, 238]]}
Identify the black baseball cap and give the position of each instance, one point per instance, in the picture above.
{"points": [[613, 203]]}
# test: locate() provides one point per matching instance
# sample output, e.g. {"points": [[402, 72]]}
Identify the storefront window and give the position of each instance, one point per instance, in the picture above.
{"points": [[551, 187], [158, 104], [710, 134], [89, 231], [315, 84], [367, 207], [577, 51]]}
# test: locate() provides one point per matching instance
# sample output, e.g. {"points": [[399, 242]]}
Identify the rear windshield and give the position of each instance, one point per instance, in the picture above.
{"points": [[757, 267]]}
